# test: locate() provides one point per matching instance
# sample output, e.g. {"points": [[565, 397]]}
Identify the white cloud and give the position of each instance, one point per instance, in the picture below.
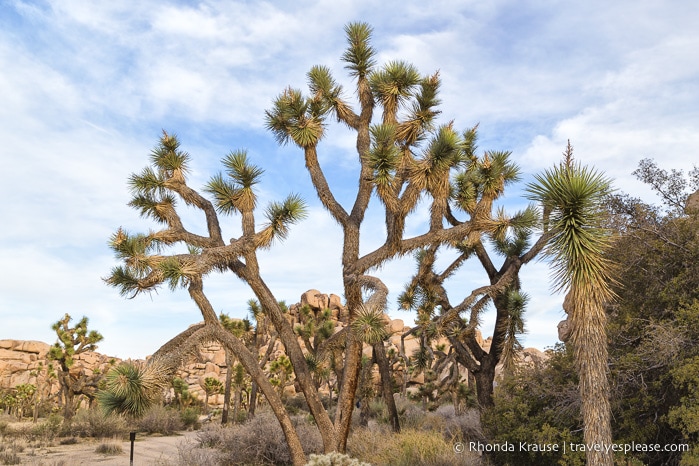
{"points": [[86, 88]]}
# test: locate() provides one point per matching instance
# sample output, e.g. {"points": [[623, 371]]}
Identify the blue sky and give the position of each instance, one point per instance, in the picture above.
{"points": [[86, 88]]}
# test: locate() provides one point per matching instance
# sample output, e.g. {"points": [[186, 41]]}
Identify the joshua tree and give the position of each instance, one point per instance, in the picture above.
{"points": [[240, 329], [145, 268], [212, 386], [45, 376], [574, 196], [73, 341], [132, 389], [24, 395], [403, 159], [238, 382], [474, 191], [281, 373], [180, 388]]}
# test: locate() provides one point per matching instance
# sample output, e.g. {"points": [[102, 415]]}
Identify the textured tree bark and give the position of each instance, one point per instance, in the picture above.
{"points": [[387, 385], [589, 340], [227, 389]]}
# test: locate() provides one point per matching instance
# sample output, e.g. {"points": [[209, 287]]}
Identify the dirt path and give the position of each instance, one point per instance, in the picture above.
{"points": [[148, 450]]}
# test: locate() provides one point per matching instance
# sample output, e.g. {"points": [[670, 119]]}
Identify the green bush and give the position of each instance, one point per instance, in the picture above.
{"points": [[46, 432], [190, 418], [537, 406]]}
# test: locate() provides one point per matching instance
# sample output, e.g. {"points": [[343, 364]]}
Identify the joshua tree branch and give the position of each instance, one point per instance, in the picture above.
{"points": [[322, 188]]}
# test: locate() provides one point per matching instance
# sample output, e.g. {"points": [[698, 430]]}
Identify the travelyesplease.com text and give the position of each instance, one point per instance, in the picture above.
{"points": [[565, 447]]}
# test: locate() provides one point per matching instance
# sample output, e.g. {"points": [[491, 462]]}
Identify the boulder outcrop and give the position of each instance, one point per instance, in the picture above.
{"points": [[19, 359]]}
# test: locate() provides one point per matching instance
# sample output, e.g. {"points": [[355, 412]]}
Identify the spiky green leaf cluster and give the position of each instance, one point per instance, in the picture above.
{"points": [[484, 177], [370, 326], [574, 194], [167, 157], [137, 253], [384, 155], [176, 272], [394, 84], [295, 118], [420, 118], [444, 149], [431, 171], [235, 194], [147, 182], [421, 360], [131, 389], [154, 207], [280, 216], [359, 55]]}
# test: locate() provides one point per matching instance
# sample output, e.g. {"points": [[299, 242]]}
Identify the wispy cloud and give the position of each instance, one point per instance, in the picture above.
{"points": [[85, 89]]}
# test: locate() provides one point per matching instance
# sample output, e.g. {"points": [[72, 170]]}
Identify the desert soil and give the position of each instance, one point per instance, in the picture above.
{"points": [[148, 450]]}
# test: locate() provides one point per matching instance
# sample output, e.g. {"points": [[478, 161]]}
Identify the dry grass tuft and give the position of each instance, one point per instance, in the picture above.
{"points": [[109, 448]]}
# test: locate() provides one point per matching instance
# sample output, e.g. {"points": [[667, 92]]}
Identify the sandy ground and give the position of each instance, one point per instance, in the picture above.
{"points": [[148, 450]]}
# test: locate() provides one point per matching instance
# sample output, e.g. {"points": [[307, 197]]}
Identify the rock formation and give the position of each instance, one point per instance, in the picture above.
{"points": [[19, 358]]}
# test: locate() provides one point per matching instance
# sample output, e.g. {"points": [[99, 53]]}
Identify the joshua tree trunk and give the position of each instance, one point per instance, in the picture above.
{"points": [[173, 353], [236, 404], [253, 400], [227, 390], [68, 397], [589, 340], [386, 385]]}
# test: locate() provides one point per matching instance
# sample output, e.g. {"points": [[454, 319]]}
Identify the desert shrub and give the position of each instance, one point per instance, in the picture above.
{"points": [[409, 448], [46, 432], [187, 455], [537, 405], [109, 448], [334, 459], [411, 416], [260, 440], [93, 423], [15, 445], [295, 404], [9, 457], [68, 441], [161, 420], [212, 435], [190, 418], [465, 426]]}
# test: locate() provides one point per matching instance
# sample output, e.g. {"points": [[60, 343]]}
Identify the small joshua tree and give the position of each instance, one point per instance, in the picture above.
{"points": [[212, 386], [73, 341], [132, 389]]}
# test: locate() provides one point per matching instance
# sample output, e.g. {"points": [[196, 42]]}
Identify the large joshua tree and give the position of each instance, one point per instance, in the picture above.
{"points": [[155, 193], [574, 195], [403, 158], [474, 191]]}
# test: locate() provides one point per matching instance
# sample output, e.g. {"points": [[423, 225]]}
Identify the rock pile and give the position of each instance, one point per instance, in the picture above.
{"points": [[18, 359]]}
